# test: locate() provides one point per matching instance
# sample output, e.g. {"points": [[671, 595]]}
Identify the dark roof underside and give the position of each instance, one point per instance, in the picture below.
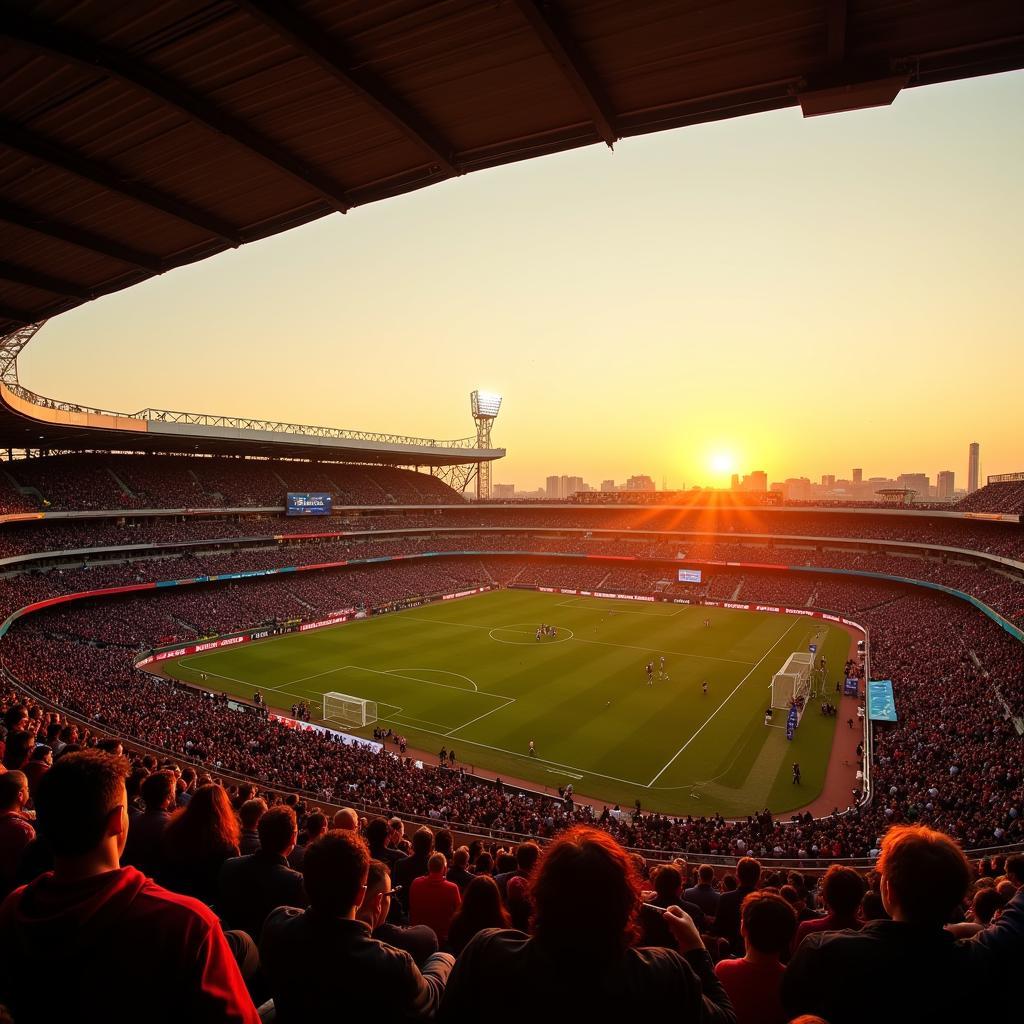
{"points": [[136, 137]]}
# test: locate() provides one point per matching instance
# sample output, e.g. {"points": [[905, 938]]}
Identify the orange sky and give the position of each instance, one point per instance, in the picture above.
{"points": [[806, 295]]}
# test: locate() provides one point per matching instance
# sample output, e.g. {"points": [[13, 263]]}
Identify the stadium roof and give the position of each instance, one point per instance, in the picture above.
{"points": [[138, 137], [28, 421]]}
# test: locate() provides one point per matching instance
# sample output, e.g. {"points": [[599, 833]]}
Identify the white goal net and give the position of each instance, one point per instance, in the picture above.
{"points": [[793, 680], [348, 710]]}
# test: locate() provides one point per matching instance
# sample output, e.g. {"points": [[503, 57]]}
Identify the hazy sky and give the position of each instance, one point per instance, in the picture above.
{"points": [[803, 295]]}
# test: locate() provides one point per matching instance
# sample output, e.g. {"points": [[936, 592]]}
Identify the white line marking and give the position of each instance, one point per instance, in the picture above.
{"points": [[500, 707], [722, 705], [583, 640], [656, 650], [543, 642], [429, 682], [439, 671], [408, 719], [579, 603]]}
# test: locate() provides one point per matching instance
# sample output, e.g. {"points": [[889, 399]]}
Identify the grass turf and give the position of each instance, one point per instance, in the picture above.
{"points": [[470, 675]]}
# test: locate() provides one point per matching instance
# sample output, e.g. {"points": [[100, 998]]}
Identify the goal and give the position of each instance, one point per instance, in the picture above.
{"points": [[349, 710], [793, 680]]}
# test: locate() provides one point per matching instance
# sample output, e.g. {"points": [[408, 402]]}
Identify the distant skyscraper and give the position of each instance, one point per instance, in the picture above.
{"points": [[640, 483], [796, 488], [503, 492], [828, 480], [607, 485], [572, 485], [946, 484], [551, 490], [973, 467], [918, 482], [756, 481], [734, 482], [858, 476]]}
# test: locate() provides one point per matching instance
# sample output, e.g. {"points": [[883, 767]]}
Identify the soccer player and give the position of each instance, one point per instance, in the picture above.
{"points": [[661, 667], [704, 687], [796, 773], [650, 673], [768, 717], [533, 749]]}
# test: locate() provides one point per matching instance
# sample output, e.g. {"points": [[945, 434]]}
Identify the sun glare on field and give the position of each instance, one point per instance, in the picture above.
{"points": [[722, 462]]}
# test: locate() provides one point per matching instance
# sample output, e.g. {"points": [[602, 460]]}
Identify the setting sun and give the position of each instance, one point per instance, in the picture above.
{"points": [[722, 462]]}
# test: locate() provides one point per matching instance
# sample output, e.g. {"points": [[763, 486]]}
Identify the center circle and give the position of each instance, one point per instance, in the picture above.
{"points": [[524, 635]]}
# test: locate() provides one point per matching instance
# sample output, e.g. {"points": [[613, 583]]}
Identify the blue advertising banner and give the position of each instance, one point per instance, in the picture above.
{"points": [[689, 575], [881, 702], [317, 503], [850, 686]]}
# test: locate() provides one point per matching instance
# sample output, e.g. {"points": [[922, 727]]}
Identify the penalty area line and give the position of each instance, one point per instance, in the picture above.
{"points": [[720, 706], [500, 707]]}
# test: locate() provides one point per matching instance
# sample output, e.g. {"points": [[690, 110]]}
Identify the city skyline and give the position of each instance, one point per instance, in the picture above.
{"points": [[945, 482], [647, 309]]}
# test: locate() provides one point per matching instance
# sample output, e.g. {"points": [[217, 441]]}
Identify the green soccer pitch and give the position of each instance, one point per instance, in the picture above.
{"points": [[470, 675]]}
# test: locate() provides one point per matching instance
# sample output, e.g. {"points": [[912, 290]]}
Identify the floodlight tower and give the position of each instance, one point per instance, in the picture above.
{"points": [[485, 406]]}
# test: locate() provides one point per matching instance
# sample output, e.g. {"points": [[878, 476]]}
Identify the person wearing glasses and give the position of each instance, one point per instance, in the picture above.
{"points": [[311, 956], [418, 940]]}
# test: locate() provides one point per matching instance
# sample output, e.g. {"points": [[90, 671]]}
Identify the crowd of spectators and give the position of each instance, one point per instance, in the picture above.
{"points": [[995, 585], [937, 765], [1004, 496], [82, 482], [49, 534], [213, 901]]}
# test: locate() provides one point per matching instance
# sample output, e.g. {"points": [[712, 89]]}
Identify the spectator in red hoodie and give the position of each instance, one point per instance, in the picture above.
{"points": [[433, 900], [16, 831], [842, 890], [126, 947]]}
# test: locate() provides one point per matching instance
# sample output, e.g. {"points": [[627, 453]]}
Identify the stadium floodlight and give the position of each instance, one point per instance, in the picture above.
{"points": [[485, 404]]}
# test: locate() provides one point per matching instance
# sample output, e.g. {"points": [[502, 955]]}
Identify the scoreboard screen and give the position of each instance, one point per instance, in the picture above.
{"points": [[304, 504], [689, 575]]}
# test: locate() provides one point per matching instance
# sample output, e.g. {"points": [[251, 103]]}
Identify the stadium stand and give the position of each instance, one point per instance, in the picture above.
{"points": [[997, 584], [91, 482], [931, 768], [1000, 496], [216, 801]]}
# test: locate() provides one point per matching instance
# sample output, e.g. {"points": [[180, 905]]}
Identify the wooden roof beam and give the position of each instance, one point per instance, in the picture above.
{"points": [[837, 21], [11, 213], [330, 55], [37, 279], [24, 141], [93, 56], [547, 26], [20, 317]]}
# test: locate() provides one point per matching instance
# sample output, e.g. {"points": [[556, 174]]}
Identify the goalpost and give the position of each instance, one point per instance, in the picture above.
{"points": [[793, 680], [349, 710]]}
